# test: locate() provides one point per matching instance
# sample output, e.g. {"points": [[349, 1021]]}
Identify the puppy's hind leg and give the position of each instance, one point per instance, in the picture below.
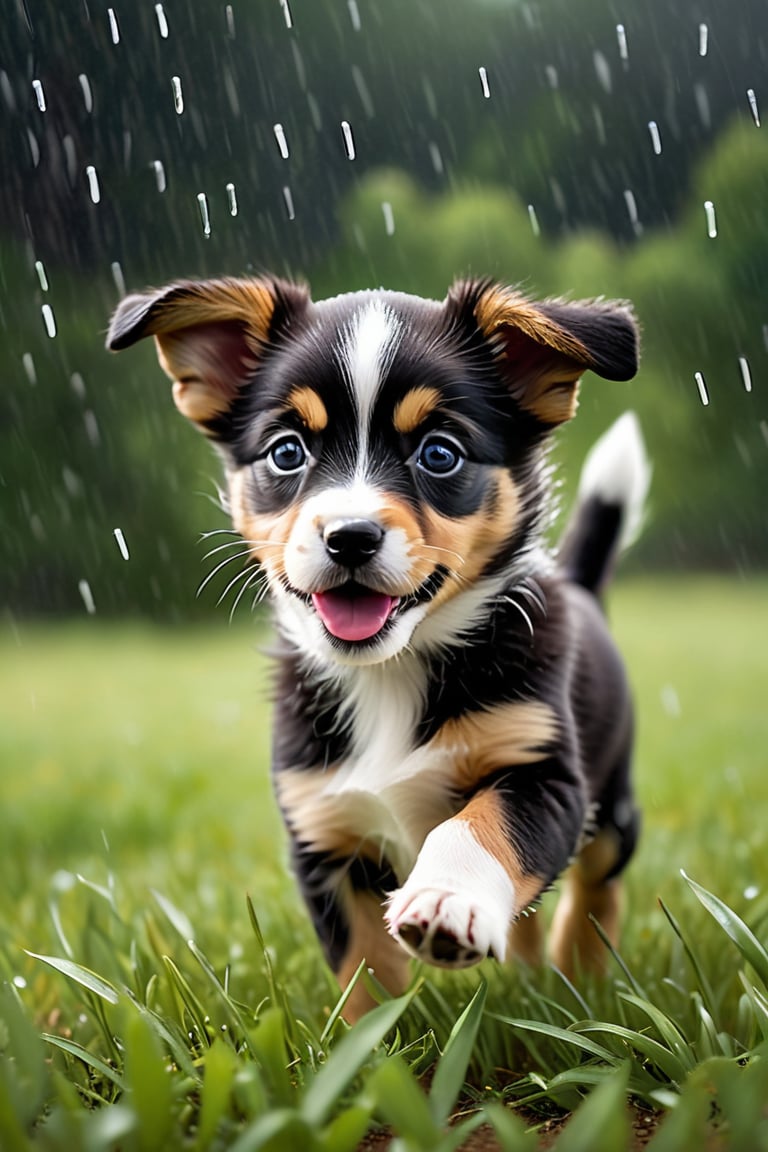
{"points": [[591, 891]]}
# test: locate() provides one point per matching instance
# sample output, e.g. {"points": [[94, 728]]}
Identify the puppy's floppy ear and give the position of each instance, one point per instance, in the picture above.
{"points": [[543, 348], [210, 336]]}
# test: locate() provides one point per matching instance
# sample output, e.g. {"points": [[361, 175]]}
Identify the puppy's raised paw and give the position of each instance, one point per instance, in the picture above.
{"points": [[449, 929]]}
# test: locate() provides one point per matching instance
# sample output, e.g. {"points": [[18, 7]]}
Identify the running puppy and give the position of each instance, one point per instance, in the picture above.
{"points": [[453, 725]]}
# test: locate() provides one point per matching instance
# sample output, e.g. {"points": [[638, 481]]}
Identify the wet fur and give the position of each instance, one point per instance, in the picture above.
{"points": [[437, 776]]}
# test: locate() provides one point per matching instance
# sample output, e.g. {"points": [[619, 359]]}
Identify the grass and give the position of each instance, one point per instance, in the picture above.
{"points": [[146, 1004]]}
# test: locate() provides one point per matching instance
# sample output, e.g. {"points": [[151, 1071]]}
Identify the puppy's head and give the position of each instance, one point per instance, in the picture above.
{"points": [[383, 452]]}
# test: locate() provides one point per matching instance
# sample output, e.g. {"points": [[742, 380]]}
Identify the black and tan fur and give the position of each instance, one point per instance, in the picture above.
{"points": [[452, 724]]}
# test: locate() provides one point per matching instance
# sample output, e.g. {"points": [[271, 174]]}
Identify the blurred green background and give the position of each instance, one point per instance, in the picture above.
{"points": [[582, 168]]}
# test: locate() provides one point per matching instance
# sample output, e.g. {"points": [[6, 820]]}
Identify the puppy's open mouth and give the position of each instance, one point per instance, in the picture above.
{"points": [[352, 612]]}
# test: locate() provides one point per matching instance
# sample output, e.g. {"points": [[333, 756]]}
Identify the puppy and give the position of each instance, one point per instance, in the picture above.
{"points": [[453, 726]]}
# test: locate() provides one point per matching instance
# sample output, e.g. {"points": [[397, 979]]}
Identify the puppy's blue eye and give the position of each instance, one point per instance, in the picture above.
{"points": [[439, 455], [287, 454]]}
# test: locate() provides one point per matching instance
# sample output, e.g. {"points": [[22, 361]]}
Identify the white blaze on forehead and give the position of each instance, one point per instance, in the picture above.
{"points": [[367, 347]]}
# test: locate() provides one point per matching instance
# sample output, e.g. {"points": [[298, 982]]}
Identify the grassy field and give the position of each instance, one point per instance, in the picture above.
{"points": [[137, 814]]}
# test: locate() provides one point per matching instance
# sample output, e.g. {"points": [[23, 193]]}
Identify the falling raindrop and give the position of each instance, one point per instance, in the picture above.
{"points": [[363, 92], [653, 128], [93, 184], [670, 701], [631, 203], [702, 104], [753, 106], [709, 210], [77, 384], [349, 140], [354, 14], [162, 22], [49, 320], [202, 203], [483, 73], [178, 98], [602, 70], [39, 94], [701, 384], [120, 538], [84, 589], [114, 31], [7, 90], [85, 87], [232, 199], [551, 74], [159, 170], [40, 269], [91, 426], [117, 276], [288, 201], [746, 375], [34, 148], [287, 13], [229, 16], [389, 218], [703, 39], [436, 157], [282, 143], [621, 36], [535, 227], [28, 365]]}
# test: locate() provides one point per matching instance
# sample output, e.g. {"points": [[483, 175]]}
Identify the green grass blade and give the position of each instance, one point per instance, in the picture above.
{"points": [[348, 1057], [701, 976], [345, 1133], [281, 1130], [602, 1121], [734, 927], [451, 1070], [666, 1028], [667, 1062], [81, 1053], [148, 1084], [399, 1100], [176, 918], [510, 1132], [565, 1035], [187, 1000], [82, 976], [218, 1077]]}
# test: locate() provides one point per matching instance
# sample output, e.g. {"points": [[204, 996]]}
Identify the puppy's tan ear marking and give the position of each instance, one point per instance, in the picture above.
{"points": [[543, 348], [210, 336]]}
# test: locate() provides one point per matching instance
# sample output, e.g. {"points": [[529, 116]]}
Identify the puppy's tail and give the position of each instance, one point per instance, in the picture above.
{"points": [[610, 506]]}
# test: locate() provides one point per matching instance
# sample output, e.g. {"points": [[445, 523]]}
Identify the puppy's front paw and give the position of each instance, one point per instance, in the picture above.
{"points": [[450, 929]]}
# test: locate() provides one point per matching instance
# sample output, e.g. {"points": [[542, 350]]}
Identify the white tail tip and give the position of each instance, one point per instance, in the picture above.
{"points": [[617, 471]]}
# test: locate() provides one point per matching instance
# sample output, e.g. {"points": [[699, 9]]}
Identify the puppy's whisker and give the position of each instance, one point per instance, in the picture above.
{"points": [[439, 548], [521, 610], [253, 578], [246, 573], [218, 568], [231, 544]]}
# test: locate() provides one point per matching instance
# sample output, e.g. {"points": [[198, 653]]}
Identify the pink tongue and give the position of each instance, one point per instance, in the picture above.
{"points": [[353, 617]]}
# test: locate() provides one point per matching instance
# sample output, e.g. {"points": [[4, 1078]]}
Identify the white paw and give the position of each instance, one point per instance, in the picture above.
{"points": [[450, 929]]}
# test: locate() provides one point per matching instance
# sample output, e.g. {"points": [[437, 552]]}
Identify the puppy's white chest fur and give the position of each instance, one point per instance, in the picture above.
{"points": [[387, 794]]}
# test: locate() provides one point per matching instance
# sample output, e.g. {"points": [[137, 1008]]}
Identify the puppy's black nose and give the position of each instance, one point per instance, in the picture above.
{"points": [[352, 543]]}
